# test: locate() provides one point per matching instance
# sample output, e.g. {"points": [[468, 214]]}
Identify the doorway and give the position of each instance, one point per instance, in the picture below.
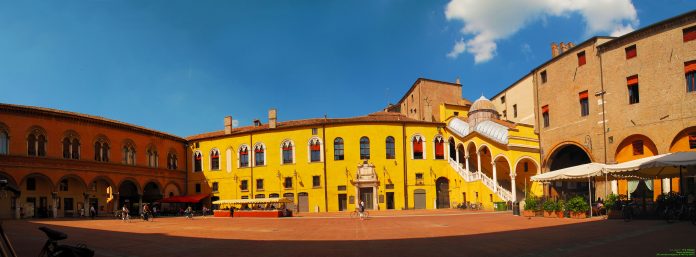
{"points": [[419, 199], [342, 202], [303, 202], [390, 200], [367, 195], [442, 189]]}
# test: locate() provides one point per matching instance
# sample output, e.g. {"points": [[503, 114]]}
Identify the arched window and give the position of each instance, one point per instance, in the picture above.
{"points": [[215, 159], [4, 142], [439, 148], [128, 153], [66, 148], [36, 143], [259, 155], [243, 156], [338, 149], [75, 149], [417, 147], [152, 157], [314, 150], [172, 161], [101, 150], [287, 150], [364, 148], [391, 153], [197, 162]]}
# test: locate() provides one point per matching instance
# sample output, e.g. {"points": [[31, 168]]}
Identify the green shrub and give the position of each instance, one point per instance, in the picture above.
{"points": [[612, 202], [560, 205], [532, 203], [550, 205], [577, 204]]}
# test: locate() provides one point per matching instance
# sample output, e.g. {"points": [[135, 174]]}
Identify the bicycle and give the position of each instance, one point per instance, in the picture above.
{"points": [[627, 211], [474, 207], [52, 248], [357, 214]]}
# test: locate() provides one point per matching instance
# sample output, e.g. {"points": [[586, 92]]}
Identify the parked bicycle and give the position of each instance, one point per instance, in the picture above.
{"points": [[475, 206], [627, 210]]}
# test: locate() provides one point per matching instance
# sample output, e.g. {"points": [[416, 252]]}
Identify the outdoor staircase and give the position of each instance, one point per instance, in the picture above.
{"points": [[468, 176]]}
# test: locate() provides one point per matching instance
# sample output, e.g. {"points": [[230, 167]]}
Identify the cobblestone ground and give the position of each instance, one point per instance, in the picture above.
{"points": [[395, 233]]}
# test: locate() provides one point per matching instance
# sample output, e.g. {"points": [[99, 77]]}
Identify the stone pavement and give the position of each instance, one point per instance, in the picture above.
{"points": [[386, 233]]}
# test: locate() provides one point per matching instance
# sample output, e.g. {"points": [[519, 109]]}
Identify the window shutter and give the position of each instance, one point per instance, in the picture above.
{"points": [[581, 58], [631, 52], [632, 80], [545, 109], [315, 147], [690, 34], [418, 145], [583, 95], [689, 66], [439, 149]]}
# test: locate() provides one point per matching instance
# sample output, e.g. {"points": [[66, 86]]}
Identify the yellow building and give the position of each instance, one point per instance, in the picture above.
{"points": [[386, 159]]}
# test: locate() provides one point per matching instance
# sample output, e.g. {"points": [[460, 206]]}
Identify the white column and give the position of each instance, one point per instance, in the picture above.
{"points": [[666, 185], [614, 187], [357, 197], [478, 160], [375, 198], [456, 156], [495, 177], [466, 161], [514, 188]]}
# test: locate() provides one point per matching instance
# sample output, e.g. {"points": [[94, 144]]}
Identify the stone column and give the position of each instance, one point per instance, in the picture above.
{"points": [[115, 199], [466, 162], [478, 161], [666, 185], [17, 207], [55, 207], [495, 177], [375, 198], [140, 203], [514, 187]]}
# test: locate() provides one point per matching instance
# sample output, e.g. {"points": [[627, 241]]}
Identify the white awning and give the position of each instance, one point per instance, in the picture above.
{"points": [[579, 173], [660, 166]]}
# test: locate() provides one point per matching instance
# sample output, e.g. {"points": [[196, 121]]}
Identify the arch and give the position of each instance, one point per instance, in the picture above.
{"points": [[484, 153], [633, 147], [126, 180], [171, 184], [566, 155], [36, 129], [501, 165], [315, 147], [287, 151], [70, 176], [260, 154], [214, 156], [418, 147], [461, 154], [684, 141], [364, 148], [442, 193], [152, 191], [546, 164], [51, 184], [469, 146], [439, 146], [452, 147], [101, 138], [4, 127], [102, 178], [243, 156], [484, 146], [339, 147], [534, 161], [10, 179], [472, 153], [71, 134]]}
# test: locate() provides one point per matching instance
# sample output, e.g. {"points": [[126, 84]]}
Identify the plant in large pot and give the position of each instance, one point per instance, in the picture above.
{"points": [[613, 206], [531, 206], [549, 208], [560, 206], [578, 207]]}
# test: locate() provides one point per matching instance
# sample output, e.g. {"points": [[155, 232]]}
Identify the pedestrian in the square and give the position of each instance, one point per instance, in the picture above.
{"points": [[92, 211]]}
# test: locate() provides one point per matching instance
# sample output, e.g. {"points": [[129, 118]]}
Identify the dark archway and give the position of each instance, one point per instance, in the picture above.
{"points": [[128, 196], [442, 190], [461, 154], [151, 192], [473, 157], [565, 156], [452, 149]]}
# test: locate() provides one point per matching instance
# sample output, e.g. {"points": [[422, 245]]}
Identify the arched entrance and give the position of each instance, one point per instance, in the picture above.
{"points": [[103, 195], [452, 149], [36, 198], [486, 161], [72, 197], [129, 196], [684, 141], [525, 168], [632, 148], [473, 157], [502, 173], [8, 199], [462, 155], [442, 191], [565, 156], [151, 192]]}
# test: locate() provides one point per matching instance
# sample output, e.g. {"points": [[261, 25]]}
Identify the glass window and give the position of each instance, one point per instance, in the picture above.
{"points": [[689, 34], [584, 104], [514, 110], [259, 154], [690, 75], [197, 162], [4, 143], [419, 178], [198, 187], [417, 148], [259, 184], [314, 150], [66, 148], [316, 181], [75, 149], [581, 59], [287, 183], [391, 153], [287, 152], [31, 145], [364, 148], [338, 149], [243, 156], [543, 77], [244, 185], [439, 148], [545, 115], [41, 145], [633, 95], [638, 147], [215, 159], [215, 187]]}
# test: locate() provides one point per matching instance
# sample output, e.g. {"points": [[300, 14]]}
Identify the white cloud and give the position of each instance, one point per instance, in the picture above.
{"points": [[458, 49], [492, 20]]}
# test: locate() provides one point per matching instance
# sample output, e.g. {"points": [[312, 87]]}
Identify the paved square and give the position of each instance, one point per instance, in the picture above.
{"points": [[395, 233]]}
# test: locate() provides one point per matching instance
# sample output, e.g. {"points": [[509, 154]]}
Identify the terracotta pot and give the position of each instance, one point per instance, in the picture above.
{"points": [[528, 213], [549, 214], [578, 215], [539, 213], [613, 214], [559, 214]]}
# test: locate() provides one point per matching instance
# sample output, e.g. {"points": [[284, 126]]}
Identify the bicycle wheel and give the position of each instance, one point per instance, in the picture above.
{"points": [[353, 214]]}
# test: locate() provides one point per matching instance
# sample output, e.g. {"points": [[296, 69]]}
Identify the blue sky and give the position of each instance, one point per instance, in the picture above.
{"points": [[181, 66]]}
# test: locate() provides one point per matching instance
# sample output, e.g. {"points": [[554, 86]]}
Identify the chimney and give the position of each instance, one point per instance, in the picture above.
{"points": [[570, 45], [564, 47], [272, 118], [457, 82], [228, 125], [257, 123], [554, 49]]}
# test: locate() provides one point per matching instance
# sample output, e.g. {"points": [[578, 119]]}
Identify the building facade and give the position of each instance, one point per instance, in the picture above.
{"points": [[63, 162]]}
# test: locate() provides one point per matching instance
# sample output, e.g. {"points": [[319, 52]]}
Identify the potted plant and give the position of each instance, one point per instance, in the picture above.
{"points": [[531, 206], [613, 206], [578, 207], [549, 208], [560, 206]]}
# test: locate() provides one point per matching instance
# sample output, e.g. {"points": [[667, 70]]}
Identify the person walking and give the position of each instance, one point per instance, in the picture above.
{"points": [[189, 213], [362, 209], [146, 212], [92, 211], [124, 214]]}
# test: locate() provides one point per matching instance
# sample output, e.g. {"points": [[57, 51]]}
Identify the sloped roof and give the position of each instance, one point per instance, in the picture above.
{"points": [[489, 129], [373, 117]]}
